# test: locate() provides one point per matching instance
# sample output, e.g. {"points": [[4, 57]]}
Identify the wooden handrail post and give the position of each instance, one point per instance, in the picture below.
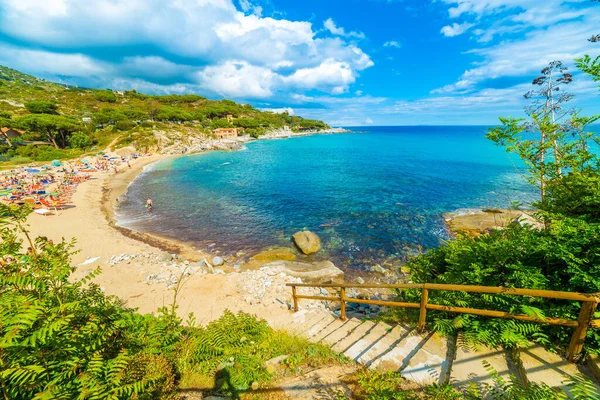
{"points": [[423, 309], [343, 301], [585, 316], [295, 298]]}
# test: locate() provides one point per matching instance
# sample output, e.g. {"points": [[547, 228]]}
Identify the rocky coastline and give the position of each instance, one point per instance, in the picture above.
{"points": [[475, 222], [189, 142]]}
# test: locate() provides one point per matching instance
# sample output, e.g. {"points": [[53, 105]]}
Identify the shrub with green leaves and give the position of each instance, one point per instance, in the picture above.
{"points": [[79, 140], [106, 96], [62, 338], [58, 339], [563, 257], [41, 107]]}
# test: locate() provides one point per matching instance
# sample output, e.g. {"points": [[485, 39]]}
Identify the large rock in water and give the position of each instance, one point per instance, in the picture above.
{"points": [[307, 242], [318, 272]]}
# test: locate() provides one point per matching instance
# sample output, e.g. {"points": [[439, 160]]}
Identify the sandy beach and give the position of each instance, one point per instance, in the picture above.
{"points": [[90, 219]]}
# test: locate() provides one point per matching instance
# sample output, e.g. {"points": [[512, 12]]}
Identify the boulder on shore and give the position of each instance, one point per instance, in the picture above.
{"points": [[318, 272], [479, 222], [217, 261], [307, 241]]}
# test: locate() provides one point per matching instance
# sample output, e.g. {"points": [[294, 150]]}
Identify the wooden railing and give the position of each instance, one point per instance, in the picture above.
{"points": [[584, 322]]}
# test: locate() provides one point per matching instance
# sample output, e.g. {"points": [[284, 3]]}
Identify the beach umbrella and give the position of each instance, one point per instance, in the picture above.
{"points": [[56, 163], [85, 160]]}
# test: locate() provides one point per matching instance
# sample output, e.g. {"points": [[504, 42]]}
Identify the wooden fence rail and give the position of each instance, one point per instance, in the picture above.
{"points": [[581, 325]]}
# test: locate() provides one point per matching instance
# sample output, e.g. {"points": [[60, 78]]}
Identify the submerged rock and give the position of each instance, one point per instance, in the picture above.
{"points": [[307, 241], [378, 268], [309, 272], [275, 254]]}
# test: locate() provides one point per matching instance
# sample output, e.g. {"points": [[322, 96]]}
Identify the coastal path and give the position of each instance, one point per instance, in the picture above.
{"points": [[426, 357]]}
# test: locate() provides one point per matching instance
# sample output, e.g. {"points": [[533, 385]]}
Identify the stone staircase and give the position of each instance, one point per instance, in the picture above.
{"points": [[426, 357]]}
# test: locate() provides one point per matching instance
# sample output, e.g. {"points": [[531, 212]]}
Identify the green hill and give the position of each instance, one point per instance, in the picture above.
{"points": [[77, 119]]}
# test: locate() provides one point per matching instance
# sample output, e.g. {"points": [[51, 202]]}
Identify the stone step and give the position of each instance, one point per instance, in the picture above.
{"points": [[322, 324], [355, 335], [364, 344], [341, 333], [468, 368], [314, 318], [429, 358], [328, 330], [297, 324], [393, 359], [429, 361], [290, 321], [379, 349], [542, 366]]}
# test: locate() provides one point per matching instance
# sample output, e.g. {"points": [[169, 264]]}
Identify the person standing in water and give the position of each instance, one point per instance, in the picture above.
{"points": [[149, 204]]}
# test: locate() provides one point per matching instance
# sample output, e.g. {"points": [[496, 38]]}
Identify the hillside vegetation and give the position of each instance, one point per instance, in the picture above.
{"points": [[79, 119]]}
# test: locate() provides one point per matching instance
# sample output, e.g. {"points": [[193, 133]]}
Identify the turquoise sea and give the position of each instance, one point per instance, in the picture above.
{"points": [[372, 195]]}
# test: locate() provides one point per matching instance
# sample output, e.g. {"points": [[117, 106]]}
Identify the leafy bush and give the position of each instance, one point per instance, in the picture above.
{"points": [[46, 153], [41, 107], [579, 387], [377, 385], [79, 140], [108, 115], [136, 115], [220, 123], [106, 96], [174, 98], [58, 339], [562, 257], [173, 114], [125, 125], [64, 338]]}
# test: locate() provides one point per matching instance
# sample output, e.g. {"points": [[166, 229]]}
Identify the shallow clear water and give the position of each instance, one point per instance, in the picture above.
{"points": [[377, 193]]}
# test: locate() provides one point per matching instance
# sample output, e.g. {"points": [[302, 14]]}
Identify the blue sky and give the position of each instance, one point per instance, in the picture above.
{"points": [[348, 62]]}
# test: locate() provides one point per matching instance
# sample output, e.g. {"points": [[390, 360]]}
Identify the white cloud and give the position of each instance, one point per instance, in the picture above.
{"points": [[332, 74], [153, 66], [504, 17], [528, 52], [455, 29], [496, 102], [46, 62], [246, 49], [238, 79], [249, 7], [392, 43], [368, 121], [335, 30]]}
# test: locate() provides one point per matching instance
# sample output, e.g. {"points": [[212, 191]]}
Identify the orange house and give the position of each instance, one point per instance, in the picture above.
{"points": [[225, 133]]}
